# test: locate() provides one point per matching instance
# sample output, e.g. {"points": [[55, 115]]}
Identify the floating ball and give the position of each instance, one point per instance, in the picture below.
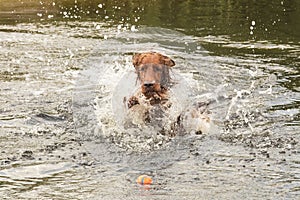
{"points": [[144, 180]]}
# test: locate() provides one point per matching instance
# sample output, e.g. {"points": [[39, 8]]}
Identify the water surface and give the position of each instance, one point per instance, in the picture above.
{"points": [[65, 65]]}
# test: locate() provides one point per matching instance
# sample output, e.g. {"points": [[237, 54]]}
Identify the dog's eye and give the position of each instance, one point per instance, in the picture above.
{"points": [[141, 69], [157, 69]]}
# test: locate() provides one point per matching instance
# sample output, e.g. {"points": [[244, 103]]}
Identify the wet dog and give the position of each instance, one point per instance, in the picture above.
{"points": [[153, 74], [151, 103]]}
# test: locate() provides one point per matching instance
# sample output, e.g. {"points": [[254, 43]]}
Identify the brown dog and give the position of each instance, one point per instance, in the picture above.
{"points": [[153, 74], [151, 104]]}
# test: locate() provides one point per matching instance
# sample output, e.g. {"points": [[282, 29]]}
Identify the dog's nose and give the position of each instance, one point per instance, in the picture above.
{"points": [[148, 84]]}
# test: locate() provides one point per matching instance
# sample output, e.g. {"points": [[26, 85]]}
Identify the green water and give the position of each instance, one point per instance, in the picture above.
{"points": [[274, 21]]}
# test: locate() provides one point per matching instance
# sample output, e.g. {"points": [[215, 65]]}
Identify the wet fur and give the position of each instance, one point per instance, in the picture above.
{"points": [[150, 103], [152, 68]]}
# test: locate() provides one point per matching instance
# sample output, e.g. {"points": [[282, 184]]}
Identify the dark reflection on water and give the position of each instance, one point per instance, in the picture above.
{"points": [[277, 20]]}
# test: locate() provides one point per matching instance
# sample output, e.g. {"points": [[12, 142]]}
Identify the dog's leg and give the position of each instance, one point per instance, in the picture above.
{"points": [[132, 101]]}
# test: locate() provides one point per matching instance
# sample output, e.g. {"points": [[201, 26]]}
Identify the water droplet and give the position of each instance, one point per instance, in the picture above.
{"points": [[272, 78], [98, 27], [253, 23], [133, 29], [100, 5]]}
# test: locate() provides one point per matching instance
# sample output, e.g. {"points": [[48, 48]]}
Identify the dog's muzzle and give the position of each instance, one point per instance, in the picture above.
{"points": [[149, 84]]}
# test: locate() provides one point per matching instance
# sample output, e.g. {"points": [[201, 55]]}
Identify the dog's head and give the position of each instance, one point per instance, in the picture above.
{"points": [[153, 72]]}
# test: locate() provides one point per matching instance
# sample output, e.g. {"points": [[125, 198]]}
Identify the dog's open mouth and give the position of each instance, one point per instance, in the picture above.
{"points": [[155, 94]]}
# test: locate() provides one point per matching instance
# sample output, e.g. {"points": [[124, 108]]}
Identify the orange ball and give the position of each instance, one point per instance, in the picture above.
{"points": [[144, 180]]}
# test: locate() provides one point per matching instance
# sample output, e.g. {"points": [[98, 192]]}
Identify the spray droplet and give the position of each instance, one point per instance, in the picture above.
{"points": [[98, 27], [133, 28]]}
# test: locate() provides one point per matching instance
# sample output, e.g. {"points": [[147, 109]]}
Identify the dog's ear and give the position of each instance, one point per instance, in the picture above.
{"points": [[168, 61], [136, 59]]}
